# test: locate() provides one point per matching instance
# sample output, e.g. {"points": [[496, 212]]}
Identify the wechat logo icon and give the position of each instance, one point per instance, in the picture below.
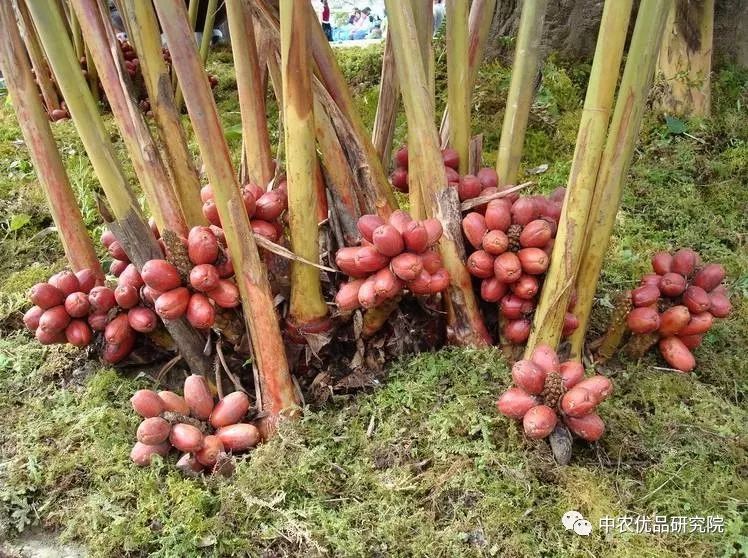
{"points": [[575, 521]]}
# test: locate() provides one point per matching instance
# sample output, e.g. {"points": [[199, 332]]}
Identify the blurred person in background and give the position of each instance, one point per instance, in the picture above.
{"points": [[326, 27]]}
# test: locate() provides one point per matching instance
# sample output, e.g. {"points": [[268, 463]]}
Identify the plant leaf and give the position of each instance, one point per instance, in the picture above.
{"points": [[675, 125]]}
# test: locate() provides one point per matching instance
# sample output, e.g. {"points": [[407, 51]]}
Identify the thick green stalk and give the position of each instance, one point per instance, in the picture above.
{"points": [[38, 62], [458, 72], [75, 30], [256, 138], [307, 303], [161, 197], [192, 18], [389, 97], [210, 18], [593, 127], [276, 385], [521, 93], [42, 148], [128, 223], [465, 324], [619, 149], [146, 39], [423, 17]]}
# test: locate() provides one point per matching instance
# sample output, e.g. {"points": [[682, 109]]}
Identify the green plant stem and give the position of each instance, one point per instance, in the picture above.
{"points": [[458, 71]]}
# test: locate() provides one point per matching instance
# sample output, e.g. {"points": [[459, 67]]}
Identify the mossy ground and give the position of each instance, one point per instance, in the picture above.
{"points": [[422, 466]]}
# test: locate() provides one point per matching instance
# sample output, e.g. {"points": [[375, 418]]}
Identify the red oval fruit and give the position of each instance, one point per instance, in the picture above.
{"points": [[434, 230], [77, 305], [87, 279], [386, 284], [529, 376], [469, 187], [571, 323], [498, 214], [539, 421], [212, 448], [400, 219], [54, 319], [107, 237], [534, 261], [126, 296], [210, 212], [439, 281], [646, 295], [46, 296], [345, 259], [491, 289], [399, 179], [118, 330], [160, 275], [719, 305], [590, 427], [408, 266], [431, 260], [643, 320], [250, 201], [186, 437], [672, 284], [421, 285], [101, 299], [230, 410], [270, 205], [200, 312], [147, 403], [524, 210], [474, 228], [368, 260], [481, 264], [142, 454], [130, 276], [153, 431], [387, 240], [401, 157], [239, 437], [512, 307], [673, 320], [204, 277], [571, 372], [451, 158], [117, 267], [600, 387], [698, 324], [662, 262], [78, 333], [224, 267], [98, 321], [202, 246], [367, 294], [526, 287], [31, 317], [535, 234], [651, 279], [66, 281], [198, 396], [578, 402], [507, 267], [515, 402], [676, 354], [488, 177], [691, 341], [416, 237], [367, 224], [46, 337], [141, 319], [149, 295], [172, 304], [709, 277], [174, 403], [206, 193], [116, 250], [347, 295], [545, 357], [226, 294], [684, 262], [495, 242]]}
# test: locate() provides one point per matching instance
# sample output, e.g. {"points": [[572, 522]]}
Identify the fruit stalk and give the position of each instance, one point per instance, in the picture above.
{"points": [[307, 303], [251, 93], [458, 70], [145, 36], [466, 326], [276, 385], [593, 126], [616, 158], [42, 148], [521, 90]]}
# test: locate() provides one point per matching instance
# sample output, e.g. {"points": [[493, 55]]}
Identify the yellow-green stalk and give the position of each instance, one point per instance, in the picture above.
{"points": [[128, 223], [423, 17], [389, 97], [146, 160], [521, 93], [458, 78], [93, 75], [464, 322], [481, 15], [75, 30], [192, 8], [256, 140], [210, 18], [34, 123], [38, 62], [307, 303], [146, 39], [593, 128], [619, 148], [278, 393]]}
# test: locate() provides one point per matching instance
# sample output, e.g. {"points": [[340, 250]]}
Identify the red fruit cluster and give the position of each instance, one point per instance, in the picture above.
{"points": [[393, 256], [513, 240], [468, 186], [213, 431], [264, 209], [678, 302], [546, 391]]}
